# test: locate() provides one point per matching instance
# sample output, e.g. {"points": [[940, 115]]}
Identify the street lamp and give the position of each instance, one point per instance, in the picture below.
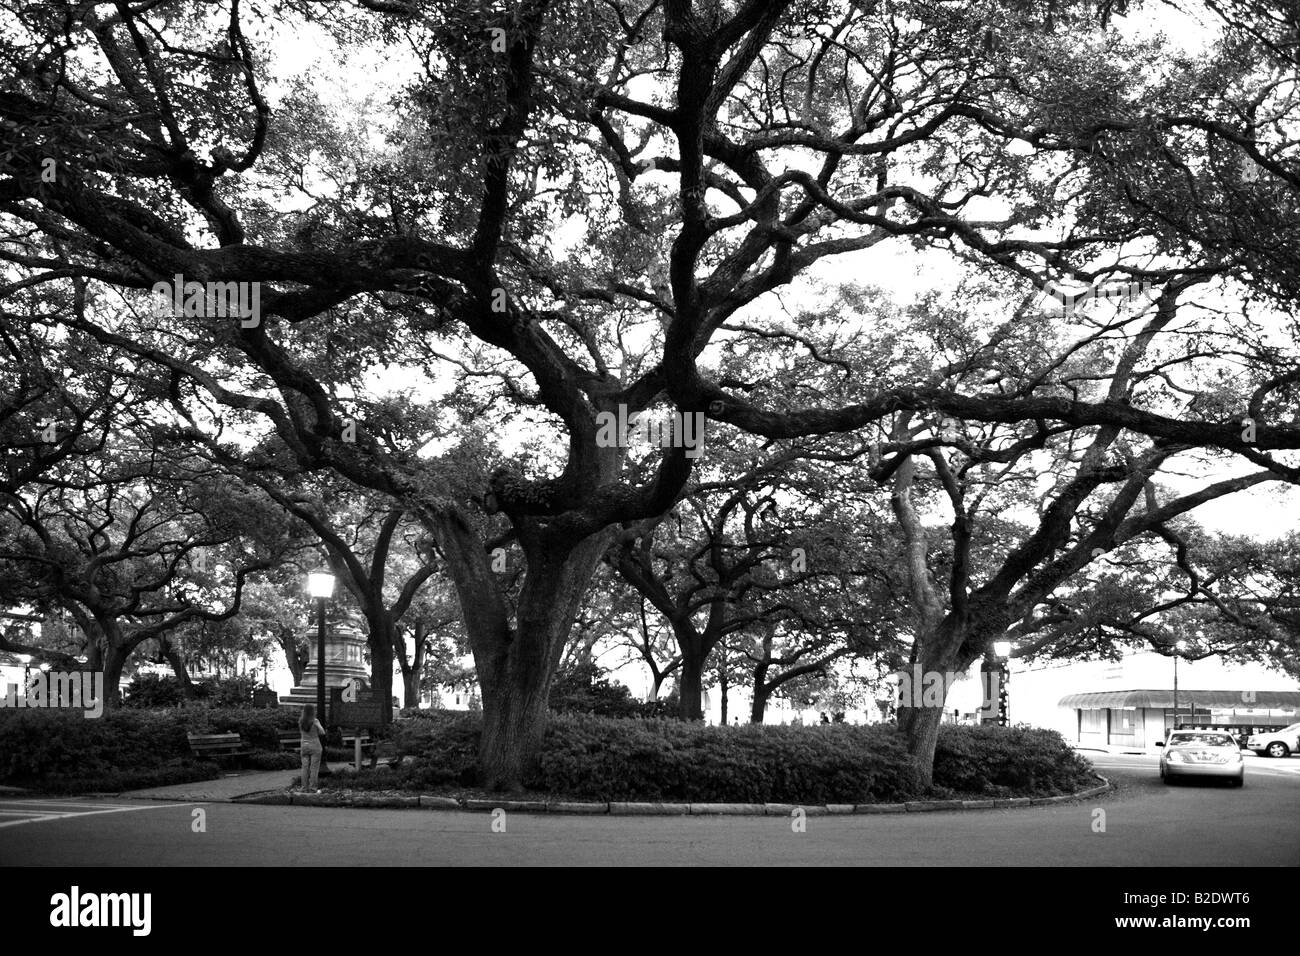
{"points": [[27, 672], [320, 585], [1002, 651], [1178, 652]]}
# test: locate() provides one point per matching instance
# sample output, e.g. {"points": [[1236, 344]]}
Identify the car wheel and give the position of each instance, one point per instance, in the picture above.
{"points": [[1238, 781], [1277, 749]]}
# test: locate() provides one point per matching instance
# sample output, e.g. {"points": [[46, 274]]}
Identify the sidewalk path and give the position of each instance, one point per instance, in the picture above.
{"points": [[224, 789]]}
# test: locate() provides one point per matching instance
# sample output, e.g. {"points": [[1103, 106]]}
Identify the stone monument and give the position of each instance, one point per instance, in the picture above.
{"points": [[344, 643]]}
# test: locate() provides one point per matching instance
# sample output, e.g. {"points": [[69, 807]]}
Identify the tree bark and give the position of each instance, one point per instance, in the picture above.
{"points": [[173, 657], [690, 684], [758, 709], [947, 648], [381, 659], [761, 691], [517, 682], [113, 660], [515, 665], [288, 641], [412, 667], [920, 729]]}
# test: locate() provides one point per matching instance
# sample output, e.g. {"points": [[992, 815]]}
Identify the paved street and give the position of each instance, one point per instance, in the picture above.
{"points": [[1146, 822]]}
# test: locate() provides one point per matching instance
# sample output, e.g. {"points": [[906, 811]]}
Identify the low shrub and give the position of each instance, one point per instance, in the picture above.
{"points": [[39, 744], [153, 690], [112, 780], [445, 745], [48, 745], [1007, 761], [165, 690], [600, 758], [677, 761], [265, 760], [585, 689]]}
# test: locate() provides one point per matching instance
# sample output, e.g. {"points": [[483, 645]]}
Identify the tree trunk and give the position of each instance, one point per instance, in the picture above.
{"points": [[288, 641], [514, 720], [690, 684], [113, 660], [920, 729], [942, 650], [173, 657], [515, 665], [412, 667], [761, 691], [381, 661]]}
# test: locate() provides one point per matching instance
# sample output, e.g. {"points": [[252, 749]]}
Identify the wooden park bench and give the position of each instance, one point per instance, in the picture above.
{"points": [[376, 749], [218, 746], [290, 741]]}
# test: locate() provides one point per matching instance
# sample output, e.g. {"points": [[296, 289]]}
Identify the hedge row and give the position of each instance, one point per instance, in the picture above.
{"points": [[66, 752], [613, 759], [582, 756]]}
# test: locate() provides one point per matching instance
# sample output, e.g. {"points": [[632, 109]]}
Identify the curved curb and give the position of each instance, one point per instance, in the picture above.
{"points": [[427, 801]]}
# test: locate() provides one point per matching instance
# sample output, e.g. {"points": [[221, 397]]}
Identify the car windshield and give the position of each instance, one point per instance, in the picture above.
{"points": [[1201, 740]]}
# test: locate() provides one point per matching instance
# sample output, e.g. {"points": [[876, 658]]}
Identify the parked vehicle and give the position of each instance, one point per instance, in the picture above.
{"points": [[1276, 743], [1202, 753]]}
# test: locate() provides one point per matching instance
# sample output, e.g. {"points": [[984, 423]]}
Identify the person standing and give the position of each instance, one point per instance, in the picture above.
{"points": [[312, 749]]}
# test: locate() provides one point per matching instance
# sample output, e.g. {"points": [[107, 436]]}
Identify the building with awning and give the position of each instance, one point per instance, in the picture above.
{"points": [[1130, 702], [1138, 718]]}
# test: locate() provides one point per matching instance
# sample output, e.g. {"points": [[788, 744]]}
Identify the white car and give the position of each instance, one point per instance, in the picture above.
{"points": [[1202, 753], [1276, 743]]}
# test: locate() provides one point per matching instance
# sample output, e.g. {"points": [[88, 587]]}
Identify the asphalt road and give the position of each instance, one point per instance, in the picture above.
{"points": [[1145, 823]]}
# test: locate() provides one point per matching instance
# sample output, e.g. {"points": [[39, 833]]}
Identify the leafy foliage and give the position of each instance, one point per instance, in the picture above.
{"points": [[584, 689], [663, 760], [51, 747]]}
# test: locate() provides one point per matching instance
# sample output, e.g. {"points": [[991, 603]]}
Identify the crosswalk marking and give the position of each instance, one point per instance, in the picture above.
{"points": [[41, 811]]}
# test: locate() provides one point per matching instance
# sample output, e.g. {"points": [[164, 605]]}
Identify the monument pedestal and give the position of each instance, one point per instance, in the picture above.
{"points": [[343, 662]]}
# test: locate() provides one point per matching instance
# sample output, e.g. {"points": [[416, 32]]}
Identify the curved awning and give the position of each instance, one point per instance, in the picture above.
{"points": [[1164, 697]]}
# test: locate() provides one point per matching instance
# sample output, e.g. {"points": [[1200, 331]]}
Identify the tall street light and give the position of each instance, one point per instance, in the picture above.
{"points": [[320, 584], [1178, 652], [27, 673], [1002, 651]]}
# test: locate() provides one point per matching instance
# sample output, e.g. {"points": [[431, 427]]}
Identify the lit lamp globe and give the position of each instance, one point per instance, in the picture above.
{"points": [[320, 584], [1002, 649]]}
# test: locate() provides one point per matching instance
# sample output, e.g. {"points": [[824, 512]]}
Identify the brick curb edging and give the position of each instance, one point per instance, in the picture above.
{"points": [[426, 801]]}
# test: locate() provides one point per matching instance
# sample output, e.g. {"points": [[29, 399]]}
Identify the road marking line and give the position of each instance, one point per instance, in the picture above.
{"points": [[57, 803], [90, 813]]}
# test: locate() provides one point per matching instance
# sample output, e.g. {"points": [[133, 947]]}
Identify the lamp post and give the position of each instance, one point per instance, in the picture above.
{"points": [[1002, 651], [1178, 652], [27, 672], [320, 584]]}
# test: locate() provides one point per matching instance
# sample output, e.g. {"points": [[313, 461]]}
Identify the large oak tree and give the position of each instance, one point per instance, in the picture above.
{"points": [[571, 203]]}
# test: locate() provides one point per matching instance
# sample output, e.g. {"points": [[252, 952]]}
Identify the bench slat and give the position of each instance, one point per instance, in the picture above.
{"points": [[218, 745]]}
